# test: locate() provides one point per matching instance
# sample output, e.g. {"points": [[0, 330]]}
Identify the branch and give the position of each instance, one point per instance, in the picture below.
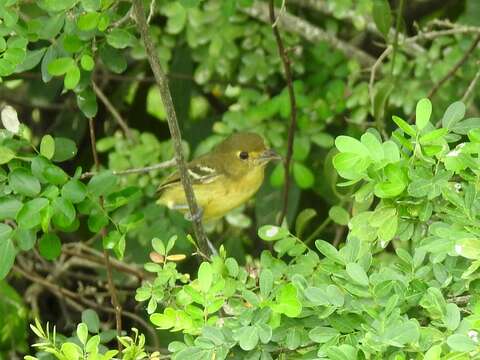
{"points": [[111, 286], [309, 32], [293, 104], [455, 68], [73, 298], [116, 115], [167, 101], [353, 16], [142, 170], [471, 86]]}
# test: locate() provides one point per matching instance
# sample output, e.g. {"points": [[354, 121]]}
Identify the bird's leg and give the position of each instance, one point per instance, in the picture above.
{"points": [[196, 216]]}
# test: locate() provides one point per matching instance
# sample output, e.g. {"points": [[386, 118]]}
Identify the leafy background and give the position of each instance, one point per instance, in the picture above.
{"points": [[375, 187]]}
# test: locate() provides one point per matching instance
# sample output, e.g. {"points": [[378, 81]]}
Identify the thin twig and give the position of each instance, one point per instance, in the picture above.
{"points": [[373, 72], [162, 82], [111, 286], [293, 105], [142, 170], [397, 31], [72, 298], [471, 87], [111, 109], [151, 11], [309, 32], [455, 68]]}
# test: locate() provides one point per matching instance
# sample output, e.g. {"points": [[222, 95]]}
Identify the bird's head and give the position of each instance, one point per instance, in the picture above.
{"points": [[245, 151]]}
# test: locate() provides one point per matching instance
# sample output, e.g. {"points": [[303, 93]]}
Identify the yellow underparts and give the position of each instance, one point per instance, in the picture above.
{"points": [[218, 197]]}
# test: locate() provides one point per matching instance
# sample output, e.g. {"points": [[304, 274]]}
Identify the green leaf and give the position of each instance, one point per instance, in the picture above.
{"points": [[23, 182], [87, 62], [158, 246], [72, 43], [461, 343], [5, 232], [303, 219], [423, 113], [102, 183], [373, 145], [96, 221], [82, 333], [406, 127], [90, 318], [7, 257], [9, 207], [60, 66], [55, 175], [272, 233], [65, 149], [177, 18], [357, 274], [50, 246], [339, 215], [452, 316], [266, 282], [329, 251], [111, 240], [74, 190], [113, 59], [72, 77], [87, 102], [454, 113], [303, 176], [322, 334], [32, 59], [347, 144], [434, 353], [6, 154], [248, 338], [382, 16], [91, 5], [205, 276], [47, 146], [64, 214], [463, 127], [88, 21], [29, 215], [433, 135], [287, 301], [120, 38]]}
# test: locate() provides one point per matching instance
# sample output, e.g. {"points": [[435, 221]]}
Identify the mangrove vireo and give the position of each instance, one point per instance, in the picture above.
{"points": [[222, 179]]}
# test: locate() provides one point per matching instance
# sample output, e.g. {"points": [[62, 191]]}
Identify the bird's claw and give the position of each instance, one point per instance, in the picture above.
{"points": [[195, 217]]}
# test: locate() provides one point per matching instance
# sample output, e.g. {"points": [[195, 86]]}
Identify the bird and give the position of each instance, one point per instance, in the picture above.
{"points": [[222, 179]]}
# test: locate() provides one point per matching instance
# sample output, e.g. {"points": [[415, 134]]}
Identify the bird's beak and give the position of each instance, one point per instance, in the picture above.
{"points": [[269, 155]]}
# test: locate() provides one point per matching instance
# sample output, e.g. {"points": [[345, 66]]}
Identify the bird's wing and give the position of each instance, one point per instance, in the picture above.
{"points": [[201, 171]]}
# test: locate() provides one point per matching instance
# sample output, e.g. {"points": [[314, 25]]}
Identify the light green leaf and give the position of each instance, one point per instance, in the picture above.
{"points": [[423, 113], [357, 274]]}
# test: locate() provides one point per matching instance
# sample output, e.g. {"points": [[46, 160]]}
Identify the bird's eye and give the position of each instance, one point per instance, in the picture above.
{"points": [[243, 155]]}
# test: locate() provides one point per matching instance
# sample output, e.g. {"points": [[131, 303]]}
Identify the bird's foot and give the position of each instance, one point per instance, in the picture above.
{"points": [[197, 216]]}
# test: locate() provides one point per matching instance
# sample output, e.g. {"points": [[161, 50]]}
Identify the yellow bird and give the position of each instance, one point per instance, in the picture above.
{"points": [[222, 179]]}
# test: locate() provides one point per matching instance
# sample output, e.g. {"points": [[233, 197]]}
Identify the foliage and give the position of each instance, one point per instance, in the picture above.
{"points": [[396, 275], [359, 301], [83, 345]]}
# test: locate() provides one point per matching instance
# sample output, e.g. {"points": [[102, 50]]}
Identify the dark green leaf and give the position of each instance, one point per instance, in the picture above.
{"points": [[64, 149], [74, 190], [50, 246], [23, 182]]}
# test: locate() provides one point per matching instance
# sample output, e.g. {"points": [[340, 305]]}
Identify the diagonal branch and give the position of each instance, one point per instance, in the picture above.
{"points": [[111, 109], [455, 68], [111, 285], [309, 32], [162, 82], [293, 104]]}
